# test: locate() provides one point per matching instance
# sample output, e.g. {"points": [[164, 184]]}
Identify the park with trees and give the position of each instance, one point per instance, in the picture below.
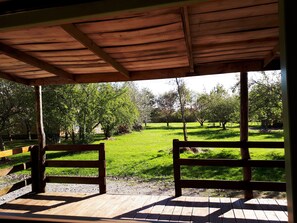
{"points": [[138, 126]]}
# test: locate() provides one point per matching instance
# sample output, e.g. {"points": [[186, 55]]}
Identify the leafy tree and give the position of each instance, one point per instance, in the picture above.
{"points": [[200, 107], [222, 106], [10, 104], [265, 99], [115, 109], [144, 100], [166, 104]]}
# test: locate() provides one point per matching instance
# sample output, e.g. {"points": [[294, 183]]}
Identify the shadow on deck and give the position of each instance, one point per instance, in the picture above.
{"points": [[66, 207]]}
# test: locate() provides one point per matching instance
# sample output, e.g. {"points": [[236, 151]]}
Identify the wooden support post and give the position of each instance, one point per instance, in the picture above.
{"points": [[40, 188], [244, 150], [176, 168], [288, 48], [34, 168], [102, 169]]}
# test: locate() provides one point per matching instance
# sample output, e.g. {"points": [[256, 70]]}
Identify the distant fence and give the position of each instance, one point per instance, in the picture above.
{"points": [[225, 184], [15, 169], [99, 164]]}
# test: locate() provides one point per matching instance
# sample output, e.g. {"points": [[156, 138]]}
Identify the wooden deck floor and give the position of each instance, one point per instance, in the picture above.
{"points": [[146, 208]]}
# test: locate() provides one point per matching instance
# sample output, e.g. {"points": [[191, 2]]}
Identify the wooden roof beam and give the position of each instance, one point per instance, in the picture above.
{"points": [[203, 69], [188, 38], [28, 59], [275, 52], [13, 78], [72, 30]]}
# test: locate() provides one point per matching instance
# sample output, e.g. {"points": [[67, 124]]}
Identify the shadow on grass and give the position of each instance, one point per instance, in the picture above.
{"points": [[209, 134], [269, 135], [170, 127]]}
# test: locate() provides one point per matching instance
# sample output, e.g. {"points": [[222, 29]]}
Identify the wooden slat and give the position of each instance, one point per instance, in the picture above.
{"points": [[232, 163], [26, 58], [242, 12], [211, 6], [80, 148], [77, 180], [239, 45], [236, 25], [188, 38], [11, 77], [72, 163], [87, 42], [14, 169], [136, 23], [139, 36], [15, 186], [15, 151], [234, 37], [232, 57]]}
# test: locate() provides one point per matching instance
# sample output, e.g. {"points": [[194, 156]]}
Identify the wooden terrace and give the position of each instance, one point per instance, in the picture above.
{"points": [[87, 41], [61, 207]]}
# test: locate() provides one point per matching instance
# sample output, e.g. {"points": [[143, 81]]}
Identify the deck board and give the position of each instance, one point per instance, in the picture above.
{"points": [[146, 208]]}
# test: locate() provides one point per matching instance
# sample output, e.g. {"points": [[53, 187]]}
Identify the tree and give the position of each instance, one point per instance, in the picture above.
{"points": [[184, 98], [166, 104], [115, 109], [144, 100], [10, 104], [200, 107], [222, 106], [265, 101]]}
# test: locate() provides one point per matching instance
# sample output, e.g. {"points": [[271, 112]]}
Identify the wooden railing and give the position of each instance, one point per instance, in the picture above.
{"points": [[16, 168], [225, 184], [100, 164]]}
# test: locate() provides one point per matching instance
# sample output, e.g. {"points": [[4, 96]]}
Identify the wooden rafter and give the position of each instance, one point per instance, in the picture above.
{"points": [[26, 58], [10, 77], [272, 55], [87, 42], [187, 34]]}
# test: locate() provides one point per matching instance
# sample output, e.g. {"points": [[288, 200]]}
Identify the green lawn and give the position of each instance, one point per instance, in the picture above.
{"points": [[147, 154]]}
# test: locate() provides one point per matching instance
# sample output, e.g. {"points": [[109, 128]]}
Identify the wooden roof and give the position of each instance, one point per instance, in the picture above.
{"points": [[136, 40]]}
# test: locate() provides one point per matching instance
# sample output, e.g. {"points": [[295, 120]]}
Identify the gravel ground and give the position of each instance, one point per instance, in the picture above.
{"points": [[124, 186]]}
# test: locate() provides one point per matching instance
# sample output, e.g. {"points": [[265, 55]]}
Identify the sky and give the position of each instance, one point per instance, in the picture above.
{"points": [[196, 84]]}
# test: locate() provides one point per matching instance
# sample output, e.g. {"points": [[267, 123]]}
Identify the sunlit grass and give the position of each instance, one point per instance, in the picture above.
{"points": [[147, 154]]}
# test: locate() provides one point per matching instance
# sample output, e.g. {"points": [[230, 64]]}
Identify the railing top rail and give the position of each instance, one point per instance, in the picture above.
{"points": [[231, 144], [15, 151], [94, 147]]}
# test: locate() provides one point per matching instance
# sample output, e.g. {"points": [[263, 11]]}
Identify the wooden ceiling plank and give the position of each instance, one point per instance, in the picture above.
{"points": [[81, 12], [236, 25], [87, 42], [272, 55], [13, 78], [187, 35], [236, 13], [26, 58]]}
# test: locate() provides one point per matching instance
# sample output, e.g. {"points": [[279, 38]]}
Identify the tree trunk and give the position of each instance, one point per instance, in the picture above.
{"points": [[224, 125], [2, 147], [29, 135], [182, 110], [73, 136]]}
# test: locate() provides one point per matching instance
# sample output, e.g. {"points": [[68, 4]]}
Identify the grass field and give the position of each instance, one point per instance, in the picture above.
{"points": [[147, 154]]}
